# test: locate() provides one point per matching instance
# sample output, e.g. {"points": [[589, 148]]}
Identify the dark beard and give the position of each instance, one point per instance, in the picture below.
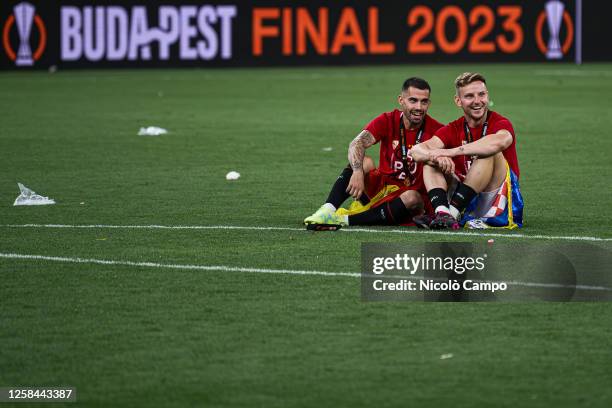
{"points": [[416, 124]]}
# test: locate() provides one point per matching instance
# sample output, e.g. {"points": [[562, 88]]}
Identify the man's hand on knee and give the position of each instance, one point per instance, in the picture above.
{"points": [[445, 164], [356, 184]]}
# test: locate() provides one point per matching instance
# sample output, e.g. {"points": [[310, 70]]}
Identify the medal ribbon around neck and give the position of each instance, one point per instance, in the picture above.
{"points": [[468, 134], [404, 146]]}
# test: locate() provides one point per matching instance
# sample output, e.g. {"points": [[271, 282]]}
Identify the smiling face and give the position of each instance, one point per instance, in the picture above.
{"points": [[414, 103], [473, 98]]}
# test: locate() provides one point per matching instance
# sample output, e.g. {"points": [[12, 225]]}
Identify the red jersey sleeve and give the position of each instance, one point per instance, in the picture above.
{"points": [[446, 134], [502, 124], [435, 127], [431, 127], [378, 127]]}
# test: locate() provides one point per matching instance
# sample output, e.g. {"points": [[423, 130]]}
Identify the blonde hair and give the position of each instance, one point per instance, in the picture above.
{"points": [[467, 78]]}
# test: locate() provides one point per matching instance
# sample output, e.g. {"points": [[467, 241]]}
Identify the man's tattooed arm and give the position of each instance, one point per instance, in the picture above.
{"points": [[357, 149]]}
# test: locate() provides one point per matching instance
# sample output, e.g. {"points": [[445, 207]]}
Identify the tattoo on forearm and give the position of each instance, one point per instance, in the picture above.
{"points": [[356, 154], [357, 148]]}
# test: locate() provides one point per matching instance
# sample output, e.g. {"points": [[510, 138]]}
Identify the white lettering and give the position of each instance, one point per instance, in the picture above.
{"points": [[441, 286], [207, 49], [116, 33], [93, 44], [139, 35], [416, 262], [488, 286], [377, 265], [480, 263], [71, 42], [402, 284], [187, 33], [226, 13], [169, 23]]}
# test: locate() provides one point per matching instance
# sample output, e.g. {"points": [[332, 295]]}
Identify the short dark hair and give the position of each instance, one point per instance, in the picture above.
{"points": [[418, 83]]}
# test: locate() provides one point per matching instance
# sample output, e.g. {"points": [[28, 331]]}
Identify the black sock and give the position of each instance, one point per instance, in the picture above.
{"points": [[364, 199], [463, 196], [438, 197], [390, 213], [338, 193]]}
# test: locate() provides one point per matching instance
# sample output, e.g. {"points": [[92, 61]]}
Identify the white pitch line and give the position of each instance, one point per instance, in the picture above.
{"points": [[224, 268], [406, 231]]}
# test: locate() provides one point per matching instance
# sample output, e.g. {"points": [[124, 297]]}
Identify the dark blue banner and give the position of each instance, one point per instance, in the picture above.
{"points": [[80, 34]]}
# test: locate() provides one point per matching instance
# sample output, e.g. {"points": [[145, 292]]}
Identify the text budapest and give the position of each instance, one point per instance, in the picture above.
{"points": [[115, 33]]}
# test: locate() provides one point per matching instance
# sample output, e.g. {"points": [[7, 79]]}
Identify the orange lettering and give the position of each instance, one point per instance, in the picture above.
{"points": [[287, 32], [446, 45], [259, 30], [348, 33], [305, 26], [511, 25], [373, 44], [417, 43], [477, 43]]}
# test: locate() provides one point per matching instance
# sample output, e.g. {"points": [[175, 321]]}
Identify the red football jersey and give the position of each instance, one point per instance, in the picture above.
{"points": [[386, 130], [453, 135]]}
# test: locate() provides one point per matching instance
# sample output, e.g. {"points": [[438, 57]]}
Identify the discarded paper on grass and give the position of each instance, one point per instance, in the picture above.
{"points": [[29, 197]]}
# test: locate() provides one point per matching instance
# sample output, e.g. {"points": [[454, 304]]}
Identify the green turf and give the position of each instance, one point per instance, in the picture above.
{"points": [[138, 336]]}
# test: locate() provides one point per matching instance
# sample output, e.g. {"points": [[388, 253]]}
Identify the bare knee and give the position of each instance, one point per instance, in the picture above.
{"points": [[412, 200], [486, 173], [499, 172], [482, 162], [368, 164], [480, 173]]}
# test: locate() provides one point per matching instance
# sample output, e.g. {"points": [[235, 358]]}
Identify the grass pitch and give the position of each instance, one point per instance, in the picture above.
{"points": [[144, 336]]}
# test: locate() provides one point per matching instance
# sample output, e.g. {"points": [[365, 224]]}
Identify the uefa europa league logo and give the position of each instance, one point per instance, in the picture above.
{"points": [[554, 14], [24, 16]]}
